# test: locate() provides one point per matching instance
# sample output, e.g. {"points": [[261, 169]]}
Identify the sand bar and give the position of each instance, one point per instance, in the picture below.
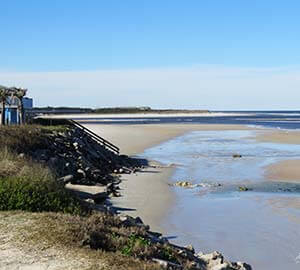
{"points": [[279, 136], [284, 171]]}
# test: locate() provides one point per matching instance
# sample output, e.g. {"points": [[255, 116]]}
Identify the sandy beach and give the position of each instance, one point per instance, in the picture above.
{"points": [[134, 139], [152, 201], [147, 194]]}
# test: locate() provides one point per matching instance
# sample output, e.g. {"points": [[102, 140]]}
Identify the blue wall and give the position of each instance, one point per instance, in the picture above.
{"points": [[11, 116]]}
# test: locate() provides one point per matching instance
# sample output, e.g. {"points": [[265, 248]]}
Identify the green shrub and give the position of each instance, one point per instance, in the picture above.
{"points": [[135, 245], [30, 186], [24, 193]]}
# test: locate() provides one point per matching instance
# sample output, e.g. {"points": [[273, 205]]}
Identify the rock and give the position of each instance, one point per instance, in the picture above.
{"points": [[91, 201], [210, 256], [184, 184], [242, 266], [244, 188], [96, 193], [190, 248], [167, 265], [130, 221], [53, 161], [222, 266], [138, 220], [66, 179], [81, 173], [96, 172], [87, 169], [215, 261], [116, 194], [75, 144]]}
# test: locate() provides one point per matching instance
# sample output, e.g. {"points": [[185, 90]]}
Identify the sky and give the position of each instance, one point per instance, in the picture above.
{"points": [[194, 54]]}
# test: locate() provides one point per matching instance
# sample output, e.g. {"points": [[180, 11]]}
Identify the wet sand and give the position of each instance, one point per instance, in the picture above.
{"points": [[279, 136], [147, 194], [152, 201], [284, 171], [272, 226]]}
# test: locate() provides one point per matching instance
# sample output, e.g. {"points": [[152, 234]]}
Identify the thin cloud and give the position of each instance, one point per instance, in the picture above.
{"points": [[203, 87]]}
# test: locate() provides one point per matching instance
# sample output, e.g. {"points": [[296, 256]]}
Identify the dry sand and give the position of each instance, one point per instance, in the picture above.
{"points": [[134, 139]]}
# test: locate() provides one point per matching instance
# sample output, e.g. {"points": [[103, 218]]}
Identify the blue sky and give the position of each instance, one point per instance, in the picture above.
{"points": [[166, 49]]}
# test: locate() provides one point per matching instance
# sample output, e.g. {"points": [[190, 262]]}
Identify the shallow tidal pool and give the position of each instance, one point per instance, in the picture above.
{"points": [[260, 226]]}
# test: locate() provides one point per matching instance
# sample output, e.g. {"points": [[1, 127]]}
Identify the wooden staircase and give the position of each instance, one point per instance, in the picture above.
{"points": [[108, 145]]}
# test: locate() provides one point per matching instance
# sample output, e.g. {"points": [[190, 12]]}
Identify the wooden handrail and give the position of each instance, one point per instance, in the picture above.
{"points": [[96, 137]]}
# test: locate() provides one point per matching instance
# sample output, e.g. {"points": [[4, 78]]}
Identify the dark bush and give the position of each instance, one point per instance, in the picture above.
{"points": [[19, 193], [23, 193]]}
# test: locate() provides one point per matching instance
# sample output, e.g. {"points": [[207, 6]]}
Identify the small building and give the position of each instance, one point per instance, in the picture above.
{"points": [[11, 116], [27, 103], [13, 104]]}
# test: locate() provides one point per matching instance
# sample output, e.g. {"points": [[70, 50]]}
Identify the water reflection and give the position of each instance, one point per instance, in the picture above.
{"points": [[259, 226]]}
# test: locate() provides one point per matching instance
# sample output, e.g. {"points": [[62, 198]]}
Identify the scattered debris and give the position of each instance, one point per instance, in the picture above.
{"points": [[187, 184], [244, 188]]}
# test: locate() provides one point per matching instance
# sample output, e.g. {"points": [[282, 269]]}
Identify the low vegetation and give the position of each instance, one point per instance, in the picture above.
{"points": [[29, 186], [101, 231], [50, 238], [26, 138]]}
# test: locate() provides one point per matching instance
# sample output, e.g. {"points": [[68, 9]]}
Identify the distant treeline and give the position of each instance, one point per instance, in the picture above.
{"points": [[114, 110]]}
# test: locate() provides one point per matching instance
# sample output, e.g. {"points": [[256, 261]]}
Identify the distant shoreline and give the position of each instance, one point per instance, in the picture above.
{"points": [[77, 116]]}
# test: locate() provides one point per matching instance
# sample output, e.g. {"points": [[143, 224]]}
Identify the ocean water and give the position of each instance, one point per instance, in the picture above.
{"points": [[269, 119], [260, 226]]}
